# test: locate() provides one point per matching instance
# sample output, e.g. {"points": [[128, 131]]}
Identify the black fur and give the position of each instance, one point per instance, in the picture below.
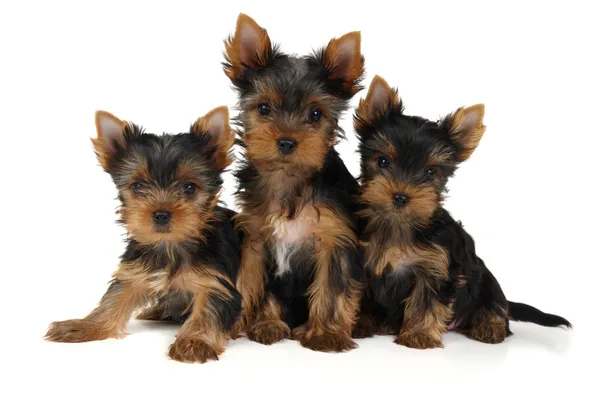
{"points": [[526, 313]]}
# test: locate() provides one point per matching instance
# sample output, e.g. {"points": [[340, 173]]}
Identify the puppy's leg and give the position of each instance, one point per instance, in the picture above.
{"points": [[216, 308], [489, 323], [267, 327], [365, 327], [250, 281], [425, 318], [334, 298], [106, 321], [370, 318]]}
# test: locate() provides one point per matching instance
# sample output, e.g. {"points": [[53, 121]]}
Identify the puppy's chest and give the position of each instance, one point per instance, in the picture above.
{"points": [[291, 239], [188, 276], [401, 260]]}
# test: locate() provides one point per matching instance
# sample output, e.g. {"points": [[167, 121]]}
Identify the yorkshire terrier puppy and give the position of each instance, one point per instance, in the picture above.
{"points": [[182, 252], [300, 265], [422, 271]]}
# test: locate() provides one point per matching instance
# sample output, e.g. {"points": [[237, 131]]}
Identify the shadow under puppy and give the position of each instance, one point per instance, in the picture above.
{"points": [[423, 274], [182, 251], [300, 259]]}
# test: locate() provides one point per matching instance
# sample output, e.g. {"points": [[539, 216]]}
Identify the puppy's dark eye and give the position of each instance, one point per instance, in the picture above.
{"points": [[136, 187], [315, 115], [430, 173], [263, 109], [189, 188], [383, 162]]}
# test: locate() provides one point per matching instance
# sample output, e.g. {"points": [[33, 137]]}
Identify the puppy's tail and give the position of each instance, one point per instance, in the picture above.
{"points": [[526, 313]]}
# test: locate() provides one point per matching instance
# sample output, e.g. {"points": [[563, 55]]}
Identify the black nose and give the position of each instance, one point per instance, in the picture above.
{"points": [[400, 200], [161, 217], [286, 146]]}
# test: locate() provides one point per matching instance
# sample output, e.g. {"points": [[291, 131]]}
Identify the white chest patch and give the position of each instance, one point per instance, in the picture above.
{"points": [[289, 236]]}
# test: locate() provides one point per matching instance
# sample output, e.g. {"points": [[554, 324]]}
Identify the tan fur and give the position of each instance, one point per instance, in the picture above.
{"points": [[423, 329], [340, 66], [467, 128], [108, 320], [267, 327], [241, 55], [223, 140], [189, 219], [423, 199], [200, 337], [101, 147], [425, 319], [489, 327], [380, 98], [251, 275], [311, 148], [331, 318]]}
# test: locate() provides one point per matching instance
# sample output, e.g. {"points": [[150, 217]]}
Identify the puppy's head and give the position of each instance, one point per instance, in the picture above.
{"points": [[168, 184], [290, 105], [406, 160]]}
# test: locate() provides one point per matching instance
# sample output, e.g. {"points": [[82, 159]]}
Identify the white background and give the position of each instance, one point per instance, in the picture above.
{"points": [[526, 195]]}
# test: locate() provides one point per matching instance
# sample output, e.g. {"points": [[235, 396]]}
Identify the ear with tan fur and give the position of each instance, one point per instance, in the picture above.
{"points": [[466, 128], [216, 124], [380, 99], [344, 62], [248, 48], [111, 132]]}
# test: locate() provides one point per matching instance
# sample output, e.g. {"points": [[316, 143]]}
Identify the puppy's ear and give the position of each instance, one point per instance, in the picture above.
{"points": [[248, 48], [344, 63], [380, 99], [111, 134], [215, 124], [466, 128]]}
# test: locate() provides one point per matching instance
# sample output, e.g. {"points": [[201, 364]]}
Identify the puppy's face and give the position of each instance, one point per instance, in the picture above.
{"points": [[406, 160], [168, 184], [290, 105]]}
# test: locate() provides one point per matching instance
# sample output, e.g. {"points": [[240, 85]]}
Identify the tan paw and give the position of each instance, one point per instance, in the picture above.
{"points": [[491, 333], [77, 331], [328, 342], [419, 340], [269, 332], [192, 350], [299, 332]]}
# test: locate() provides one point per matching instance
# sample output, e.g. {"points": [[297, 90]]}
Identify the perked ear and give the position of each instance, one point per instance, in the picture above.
{"points": [[249, 48], [466, 128], [216, 124], [111, 132], [344, 62], [380, 99]]}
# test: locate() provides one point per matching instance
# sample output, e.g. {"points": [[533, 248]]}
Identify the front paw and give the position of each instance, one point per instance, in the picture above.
{"points": [[269, 332], [77, 331], [419, 340], [328, 342], [299, 332], [192, 350], [490, 333], [365, 327]]}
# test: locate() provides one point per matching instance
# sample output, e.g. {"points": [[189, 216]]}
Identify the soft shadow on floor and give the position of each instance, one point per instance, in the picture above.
{"points": [[137, 326]]}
